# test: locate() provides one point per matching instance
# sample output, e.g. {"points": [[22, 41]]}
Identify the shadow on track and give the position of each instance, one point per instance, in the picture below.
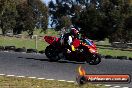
{"points": [[61, 61]]}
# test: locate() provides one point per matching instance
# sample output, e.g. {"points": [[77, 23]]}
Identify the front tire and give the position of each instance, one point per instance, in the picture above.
{"points": [[52, 53], [95, 59]]}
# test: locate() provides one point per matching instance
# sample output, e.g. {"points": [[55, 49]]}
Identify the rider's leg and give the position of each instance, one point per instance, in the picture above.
{"points": [[70, 40]]}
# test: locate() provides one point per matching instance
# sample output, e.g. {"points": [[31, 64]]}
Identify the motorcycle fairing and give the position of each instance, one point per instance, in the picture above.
{"points": [[50, 39]]}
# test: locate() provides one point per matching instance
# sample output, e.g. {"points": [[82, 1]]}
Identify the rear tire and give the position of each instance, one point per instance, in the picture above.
{"points": [[52, 53]]}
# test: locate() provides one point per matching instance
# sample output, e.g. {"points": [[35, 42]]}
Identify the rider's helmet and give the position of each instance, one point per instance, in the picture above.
{"points": [[74, 31]]}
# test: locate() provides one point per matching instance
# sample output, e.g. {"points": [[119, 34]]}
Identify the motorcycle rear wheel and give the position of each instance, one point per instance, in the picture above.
{"points": [[52, 53]]}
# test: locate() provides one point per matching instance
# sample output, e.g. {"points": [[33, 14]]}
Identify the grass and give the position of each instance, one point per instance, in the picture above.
{"points": [[105, 48], [40, 33], [13, 82], [115, 52], [19, 43], [28, 43]]}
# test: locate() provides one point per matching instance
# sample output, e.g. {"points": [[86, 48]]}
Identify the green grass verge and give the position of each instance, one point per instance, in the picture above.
{"points": [[19, 43], [13, 82], [28, 43], [115, 52], [40, 33], [104, 48]]}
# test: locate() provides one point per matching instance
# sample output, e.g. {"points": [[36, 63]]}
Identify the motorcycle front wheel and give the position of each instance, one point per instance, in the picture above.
{"points": [[95, 59]]}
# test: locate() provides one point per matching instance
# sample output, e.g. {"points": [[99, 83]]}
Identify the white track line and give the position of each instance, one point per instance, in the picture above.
{"points": [[2, 74], [116, 86], [62, 80], [99, 84], [70, 81], [20, 76], [32, 77], [108, 85], [50, 79], [40, 78], [10, 75]]}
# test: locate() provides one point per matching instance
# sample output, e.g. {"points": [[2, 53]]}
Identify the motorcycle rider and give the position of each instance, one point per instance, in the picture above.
{"points": [[68, 38]]}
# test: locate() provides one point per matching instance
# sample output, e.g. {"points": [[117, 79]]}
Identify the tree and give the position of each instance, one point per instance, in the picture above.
{"points": [[7, 15], [64, 22], [81, 13], [26, 18], [30, 13], [91, 24], [98, 19], [115, 12], [65, 8], [128, 29], [41, 11]]}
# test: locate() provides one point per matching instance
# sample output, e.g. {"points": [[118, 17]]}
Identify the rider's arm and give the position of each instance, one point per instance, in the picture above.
{"points": [[79, 36]]}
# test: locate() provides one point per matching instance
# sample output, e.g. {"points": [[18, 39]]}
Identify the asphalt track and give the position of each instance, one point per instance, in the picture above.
{"points": [[37, 65]]}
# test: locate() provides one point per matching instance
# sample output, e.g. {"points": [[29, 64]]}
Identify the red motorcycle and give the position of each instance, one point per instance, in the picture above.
{"points": [[85, 50]]}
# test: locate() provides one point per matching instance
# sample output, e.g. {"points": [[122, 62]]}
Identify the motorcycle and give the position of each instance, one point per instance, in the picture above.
{"points": [[85, 50]]}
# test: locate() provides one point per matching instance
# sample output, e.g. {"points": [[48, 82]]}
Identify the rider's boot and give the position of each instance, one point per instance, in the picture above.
{"points": [[73, 48], [68, 51]]}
